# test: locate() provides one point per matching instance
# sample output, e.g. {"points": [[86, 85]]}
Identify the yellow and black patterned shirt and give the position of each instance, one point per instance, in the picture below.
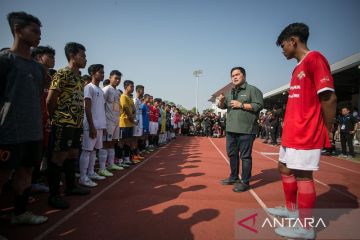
{"points": [[70, 104]]}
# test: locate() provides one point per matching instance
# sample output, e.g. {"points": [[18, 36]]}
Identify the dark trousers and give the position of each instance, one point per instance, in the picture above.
{"points": [[239, 143], [347, 138], [274, 134]]}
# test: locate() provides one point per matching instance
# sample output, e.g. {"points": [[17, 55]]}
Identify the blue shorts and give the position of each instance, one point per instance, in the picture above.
{"points": [[146, 131]]}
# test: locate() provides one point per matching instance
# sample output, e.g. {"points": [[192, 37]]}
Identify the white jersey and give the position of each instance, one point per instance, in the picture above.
{"points": [[112, 105], [96, 95], [172, 113], [137, 103]]}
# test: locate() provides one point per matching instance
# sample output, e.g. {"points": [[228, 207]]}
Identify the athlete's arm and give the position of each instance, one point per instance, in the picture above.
{"points": [[51, 101], [328, 107], [92, 130]]}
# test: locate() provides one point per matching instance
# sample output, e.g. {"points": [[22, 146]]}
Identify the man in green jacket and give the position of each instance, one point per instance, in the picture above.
{"points": [[243, 104]]}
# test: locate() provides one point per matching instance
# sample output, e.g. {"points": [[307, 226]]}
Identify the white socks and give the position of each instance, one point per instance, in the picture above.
{"points": [[84, 163], [103, 154], [92, 162], [111, 156]]}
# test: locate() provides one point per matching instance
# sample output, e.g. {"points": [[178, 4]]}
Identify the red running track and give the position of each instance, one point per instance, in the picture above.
{"points": [[175, 194]]}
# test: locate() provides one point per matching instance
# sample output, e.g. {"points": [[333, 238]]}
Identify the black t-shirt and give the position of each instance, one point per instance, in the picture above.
{"points": [[21, 89]]}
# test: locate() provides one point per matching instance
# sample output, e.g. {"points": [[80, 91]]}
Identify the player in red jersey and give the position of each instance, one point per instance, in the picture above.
{"points": [[310, 111]]}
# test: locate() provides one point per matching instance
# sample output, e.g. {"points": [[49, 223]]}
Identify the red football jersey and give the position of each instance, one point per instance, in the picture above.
{"points": [[154, 114], [304, 126]]}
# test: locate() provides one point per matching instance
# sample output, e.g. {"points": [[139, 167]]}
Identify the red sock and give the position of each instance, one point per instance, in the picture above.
{"points": [[306, 199], [290, 190]]}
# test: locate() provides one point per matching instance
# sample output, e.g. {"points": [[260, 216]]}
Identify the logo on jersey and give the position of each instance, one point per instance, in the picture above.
{"points": [[325, 79], [301, 75]]}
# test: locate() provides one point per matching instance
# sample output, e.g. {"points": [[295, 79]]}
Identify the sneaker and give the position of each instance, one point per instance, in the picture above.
{"points": [[129, 162], [283, 212], [95, 176], [27, 218], [39, 187], [140, 157], [136, 158], [136, 161], [58, 202], [123, 165], [105, 173], [87, 182], [115, 168], [343, 156], [296, 232]]}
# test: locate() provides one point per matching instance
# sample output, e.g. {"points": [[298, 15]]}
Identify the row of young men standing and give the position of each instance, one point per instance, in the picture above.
{"points": [[109, 121]]}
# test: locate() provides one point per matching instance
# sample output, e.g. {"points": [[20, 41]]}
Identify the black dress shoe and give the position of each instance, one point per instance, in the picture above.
{"points": [[77, 191], [241, 187], [229, 181], [58, 202]]}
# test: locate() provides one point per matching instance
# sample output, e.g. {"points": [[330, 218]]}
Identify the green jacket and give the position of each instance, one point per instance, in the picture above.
{"points": [[240, 120]]}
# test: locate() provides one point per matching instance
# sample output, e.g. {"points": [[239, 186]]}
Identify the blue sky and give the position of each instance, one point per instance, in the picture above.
{"points": [[159, 43]]}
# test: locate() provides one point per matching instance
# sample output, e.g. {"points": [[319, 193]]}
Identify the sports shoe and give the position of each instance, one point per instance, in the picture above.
{"points": [[343, 156], [296, 232], [58, 202], [87, 182], [115, 168], [27, 218], [283, 212], [95, 176], [123, 165], [140, 157], [129, 162], [136, 161], [137, 158], [39, 187], [105, 173]]}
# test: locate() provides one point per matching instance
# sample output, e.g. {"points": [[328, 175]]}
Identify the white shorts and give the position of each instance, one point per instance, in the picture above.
{"points": [[112, 133], [307, 160], [137, 131], [89, 144], [153, 128]]}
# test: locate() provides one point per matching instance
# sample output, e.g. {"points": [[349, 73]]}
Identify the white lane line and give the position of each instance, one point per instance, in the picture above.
{"points": [[321, 183], [334, 165], [269, 153], [253, 193], [82, 206]]}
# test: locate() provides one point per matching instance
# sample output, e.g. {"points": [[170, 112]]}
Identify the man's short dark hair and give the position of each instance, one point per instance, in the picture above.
{"points": [[146, 96], [299, 30], [95, 68], [42, 50], [242, 70], [73, 48], [52, 72], [127, 83], [106, 82], [23, 19], [139, 87], [116, 72], [86, 78], [158, 100]]}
